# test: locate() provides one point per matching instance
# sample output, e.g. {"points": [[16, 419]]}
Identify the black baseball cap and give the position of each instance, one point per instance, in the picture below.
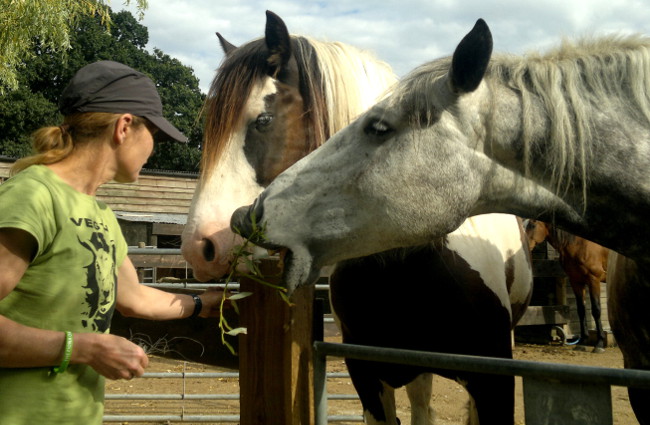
{"points": [[108, 86]]}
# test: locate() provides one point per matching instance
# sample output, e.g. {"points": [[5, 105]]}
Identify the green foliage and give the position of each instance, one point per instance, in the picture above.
{"points": [[22, 113], [243, 256], [182, 103], [33, 104], [45, 24]]}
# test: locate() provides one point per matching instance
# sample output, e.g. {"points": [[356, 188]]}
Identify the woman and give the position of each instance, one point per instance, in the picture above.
{"points": [[63, 262]]}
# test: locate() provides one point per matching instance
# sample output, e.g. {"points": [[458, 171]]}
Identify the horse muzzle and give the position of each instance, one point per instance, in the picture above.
{"points": [[247, 222], [299, 267]]}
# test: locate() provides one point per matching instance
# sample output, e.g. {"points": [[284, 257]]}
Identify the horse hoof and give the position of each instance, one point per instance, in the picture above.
{"points": [[598, 350], [579, 348]]}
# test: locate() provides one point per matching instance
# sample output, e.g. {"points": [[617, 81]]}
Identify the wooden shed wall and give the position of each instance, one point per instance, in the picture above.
{"points": [[152, 193]]}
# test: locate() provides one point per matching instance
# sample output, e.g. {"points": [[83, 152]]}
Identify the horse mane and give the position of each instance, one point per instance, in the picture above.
{"points": [[337, 82], [353, 80], [568, 81]]}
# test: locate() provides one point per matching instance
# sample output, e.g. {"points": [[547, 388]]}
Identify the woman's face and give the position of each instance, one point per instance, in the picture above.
{"points": [[134, 152]]}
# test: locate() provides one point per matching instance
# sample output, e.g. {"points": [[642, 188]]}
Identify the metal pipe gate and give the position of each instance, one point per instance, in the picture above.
{"points": [[182, 375], [182, 417], [206, 418], [553, 393]]}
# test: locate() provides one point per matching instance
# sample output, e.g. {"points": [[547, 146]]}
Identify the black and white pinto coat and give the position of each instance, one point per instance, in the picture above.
{"points": [[461, 294]]}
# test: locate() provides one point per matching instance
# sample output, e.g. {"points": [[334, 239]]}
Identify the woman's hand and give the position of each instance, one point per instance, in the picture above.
{"points": [[211, 300], [112, 356]]}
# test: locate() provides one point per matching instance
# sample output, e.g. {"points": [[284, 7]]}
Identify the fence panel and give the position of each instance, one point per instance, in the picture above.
{"points": [[571, 383]]}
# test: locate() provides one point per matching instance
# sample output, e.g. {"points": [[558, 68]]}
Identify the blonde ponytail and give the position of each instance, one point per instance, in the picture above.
{"points": [[53, 144]]}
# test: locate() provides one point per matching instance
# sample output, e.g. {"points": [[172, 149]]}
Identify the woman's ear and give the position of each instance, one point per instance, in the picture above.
{"points": [[122, 128]]}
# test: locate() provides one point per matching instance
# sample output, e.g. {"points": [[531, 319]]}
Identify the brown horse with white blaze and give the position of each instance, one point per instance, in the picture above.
{"points": [[272, 101]]}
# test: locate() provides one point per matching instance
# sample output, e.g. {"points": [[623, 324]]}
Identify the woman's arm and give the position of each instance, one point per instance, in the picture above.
{"points": [[136, 300], [17, 248], [23, 346]]}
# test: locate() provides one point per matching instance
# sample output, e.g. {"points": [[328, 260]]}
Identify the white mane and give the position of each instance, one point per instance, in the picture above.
{"points": [[569, 82], [354, 80]]}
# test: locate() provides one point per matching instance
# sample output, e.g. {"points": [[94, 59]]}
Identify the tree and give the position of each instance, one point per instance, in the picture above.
{"points": [[22, 112], [34, 103], [43, 23], [182, 102]]}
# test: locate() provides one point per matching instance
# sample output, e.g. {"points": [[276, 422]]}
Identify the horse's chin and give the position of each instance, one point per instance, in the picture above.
{"points": [[299, 269], [211, 274]]}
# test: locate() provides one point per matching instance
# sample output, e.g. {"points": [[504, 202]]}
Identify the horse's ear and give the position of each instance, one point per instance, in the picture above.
{"points": [[471, 59], [277, 41], [226, 45]]}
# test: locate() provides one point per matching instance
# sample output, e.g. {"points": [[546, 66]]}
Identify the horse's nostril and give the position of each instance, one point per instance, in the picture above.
{"points": [[208, 250]]}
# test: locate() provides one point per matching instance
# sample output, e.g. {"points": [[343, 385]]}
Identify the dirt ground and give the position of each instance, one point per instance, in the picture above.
{"points": [[448, 401]]}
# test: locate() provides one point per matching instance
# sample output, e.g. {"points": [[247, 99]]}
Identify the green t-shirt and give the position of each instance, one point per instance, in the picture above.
{"points": [[70, 285]]}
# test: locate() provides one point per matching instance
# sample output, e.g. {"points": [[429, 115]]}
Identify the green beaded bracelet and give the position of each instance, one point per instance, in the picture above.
{"points": [[67, 354]]}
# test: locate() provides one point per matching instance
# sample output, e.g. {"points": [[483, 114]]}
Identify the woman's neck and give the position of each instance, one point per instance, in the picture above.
{"points": [[85, 170]]}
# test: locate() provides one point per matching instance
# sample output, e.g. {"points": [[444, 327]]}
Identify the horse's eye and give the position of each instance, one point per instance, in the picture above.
{"points": [[263, 120], [378, 128]]}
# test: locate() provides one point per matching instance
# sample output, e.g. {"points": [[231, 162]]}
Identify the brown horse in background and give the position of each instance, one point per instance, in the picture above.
{"points": [[585, 264]]}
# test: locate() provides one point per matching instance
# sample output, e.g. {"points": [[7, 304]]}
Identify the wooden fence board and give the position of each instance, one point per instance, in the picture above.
{"points": [[276, 358]]}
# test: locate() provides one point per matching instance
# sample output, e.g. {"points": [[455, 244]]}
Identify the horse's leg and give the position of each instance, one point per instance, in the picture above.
{"points": [[594, 297], [419, 393], [639, 401], [387, 398], [628, 292], [579, 292], [377, 398], [493, 397]]}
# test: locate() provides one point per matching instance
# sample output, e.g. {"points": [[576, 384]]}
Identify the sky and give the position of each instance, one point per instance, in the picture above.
{"points": [[403, 33]]}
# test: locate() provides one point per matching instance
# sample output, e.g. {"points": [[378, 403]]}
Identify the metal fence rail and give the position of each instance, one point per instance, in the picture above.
{"points": [[172, 397], [172, 418], [183, 375], [182, 417], [551, 390]]}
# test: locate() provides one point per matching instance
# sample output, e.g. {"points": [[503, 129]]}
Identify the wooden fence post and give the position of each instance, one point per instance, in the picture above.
{"points": [[276, 355]]}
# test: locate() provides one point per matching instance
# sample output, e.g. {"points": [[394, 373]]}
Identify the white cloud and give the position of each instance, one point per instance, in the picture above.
{"points": [[404, 33]]}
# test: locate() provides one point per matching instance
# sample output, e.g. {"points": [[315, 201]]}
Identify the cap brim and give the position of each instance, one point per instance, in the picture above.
{"points": [[166, 131]]}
